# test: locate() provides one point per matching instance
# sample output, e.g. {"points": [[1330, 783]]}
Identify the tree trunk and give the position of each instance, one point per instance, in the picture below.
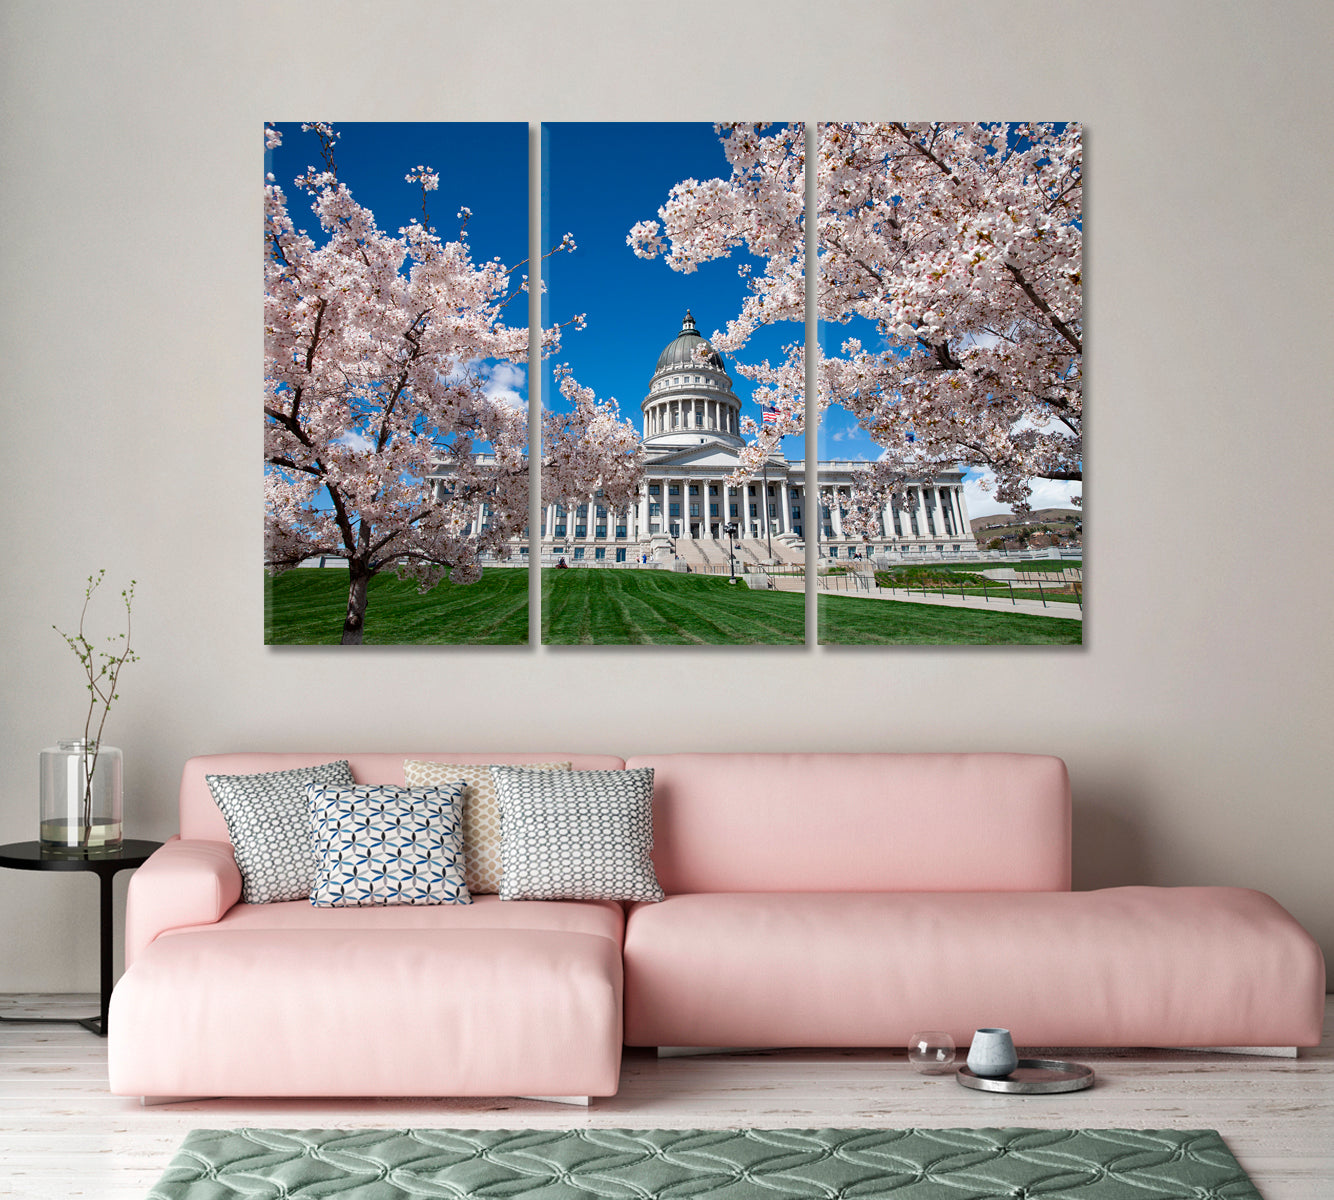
{"points": [[354, 625]]}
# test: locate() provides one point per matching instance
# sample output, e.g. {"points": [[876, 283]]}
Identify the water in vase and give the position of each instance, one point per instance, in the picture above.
{"points": [[63, 836]]}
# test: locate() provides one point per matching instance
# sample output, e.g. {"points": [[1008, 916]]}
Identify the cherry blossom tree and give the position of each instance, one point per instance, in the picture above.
{"points": [[589, 455], [378, 355], [961, 244]]}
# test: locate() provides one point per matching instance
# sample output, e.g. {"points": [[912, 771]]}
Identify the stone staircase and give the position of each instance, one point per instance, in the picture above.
{"points": [[688, 550], [752, 551], [711, 551]]}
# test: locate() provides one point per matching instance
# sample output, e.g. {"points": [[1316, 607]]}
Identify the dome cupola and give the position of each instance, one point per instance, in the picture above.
{"points": [[681, 350], [690, 398]]}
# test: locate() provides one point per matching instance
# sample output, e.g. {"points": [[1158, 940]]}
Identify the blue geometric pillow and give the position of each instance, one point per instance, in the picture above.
{"points": [[387, 845]]}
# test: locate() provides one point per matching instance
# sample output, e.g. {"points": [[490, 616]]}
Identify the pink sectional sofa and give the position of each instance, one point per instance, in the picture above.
{"points": [[812, 900]]}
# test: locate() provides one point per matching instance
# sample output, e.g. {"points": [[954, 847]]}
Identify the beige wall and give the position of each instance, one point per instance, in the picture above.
{"points": [[1197, 719]]}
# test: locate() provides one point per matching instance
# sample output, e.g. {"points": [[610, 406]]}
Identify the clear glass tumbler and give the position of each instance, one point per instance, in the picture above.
{"points": [[931, 1052]]}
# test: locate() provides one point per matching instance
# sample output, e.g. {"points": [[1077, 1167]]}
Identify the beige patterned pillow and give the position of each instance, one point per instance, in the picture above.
{"points": [[481, 813]]}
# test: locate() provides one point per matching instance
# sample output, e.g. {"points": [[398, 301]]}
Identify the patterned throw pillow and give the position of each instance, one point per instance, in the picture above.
{"points": [[481, 814], [387, 845], [268, 820], [576, 835]]}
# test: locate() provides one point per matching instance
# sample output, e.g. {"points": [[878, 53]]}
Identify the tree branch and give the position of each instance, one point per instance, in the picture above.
{"points": [[1043, 307]]}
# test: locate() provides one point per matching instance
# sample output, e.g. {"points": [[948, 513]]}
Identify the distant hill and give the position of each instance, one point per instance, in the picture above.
{"points": [[1060, 526], [1039, 516]]}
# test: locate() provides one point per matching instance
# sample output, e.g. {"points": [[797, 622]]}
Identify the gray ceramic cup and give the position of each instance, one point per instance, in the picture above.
{"points": [[992, 1056]]}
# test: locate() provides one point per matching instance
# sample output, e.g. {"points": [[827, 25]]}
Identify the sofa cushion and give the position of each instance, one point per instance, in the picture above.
{"points": [[377, 844], [1132, 966], [440, 1001], [860, 822], [576, 835], [481, 813], [268, 820]]}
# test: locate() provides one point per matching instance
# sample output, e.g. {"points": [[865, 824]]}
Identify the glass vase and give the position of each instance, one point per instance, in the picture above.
{"points": [[81, 798]]}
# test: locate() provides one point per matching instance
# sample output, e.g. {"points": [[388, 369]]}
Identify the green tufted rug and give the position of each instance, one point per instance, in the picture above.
{"points": [[686, 1164]]}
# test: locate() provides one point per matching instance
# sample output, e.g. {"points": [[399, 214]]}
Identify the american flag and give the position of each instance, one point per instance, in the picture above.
{"points": [[769, 415]]}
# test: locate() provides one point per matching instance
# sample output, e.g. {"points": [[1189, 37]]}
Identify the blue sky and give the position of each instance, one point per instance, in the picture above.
{"points": [[598, 179], [482, 166]]}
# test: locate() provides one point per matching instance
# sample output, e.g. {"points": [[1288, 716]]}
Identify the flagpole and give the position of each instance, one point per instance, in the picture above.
{"points": [[767, 414], [768, 528]]}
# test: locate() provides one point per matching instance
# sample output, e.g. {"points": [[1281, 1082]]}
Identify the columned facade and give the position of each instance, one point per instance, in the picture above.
{"points": [[691, 430]]}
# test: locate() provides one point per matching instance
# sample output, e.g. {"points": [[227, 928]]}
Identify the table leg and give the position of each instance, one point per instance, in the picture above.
{"points": [[105, 879]]}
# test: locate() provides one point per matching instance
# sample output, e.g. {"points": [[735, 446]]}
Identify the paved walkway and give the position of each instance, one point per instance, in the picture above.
{"points": [[1063, 611]]}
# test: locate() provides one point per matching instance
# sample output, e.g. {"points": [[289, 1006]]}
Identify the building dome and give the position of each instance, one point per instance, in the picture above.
{"points": [[680, 352]]}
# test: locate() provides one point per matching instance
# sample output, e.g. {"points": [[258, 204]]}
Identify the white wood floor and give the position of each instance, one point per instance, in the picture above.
{"points": [[62, 1135]]}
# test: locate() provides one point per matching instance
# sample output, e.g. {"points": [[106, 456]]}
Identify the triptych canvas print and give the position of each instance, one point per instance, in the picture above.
{"points": [[647, 450]]}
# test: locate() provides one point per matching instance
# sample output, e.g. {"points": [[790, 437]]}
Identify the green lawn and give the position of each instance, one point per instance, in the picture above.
{"points": [[1044, 564], [964, 583], [628, 607], [305, 607], [859, 621], [1026, 566]]}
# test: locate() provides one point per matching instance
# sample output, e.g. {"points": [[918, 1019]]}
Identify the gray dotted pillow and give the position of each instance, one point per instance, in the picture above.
{"points": [[268, 820], [576, 835]]}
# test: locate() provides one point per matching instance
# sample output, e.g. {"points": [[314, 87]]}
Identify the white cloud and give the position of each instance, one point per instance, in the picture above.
{"points": [[1047, 493], [354, 440], [457, 373], [979, 341], [502, 381], [507, 383]]}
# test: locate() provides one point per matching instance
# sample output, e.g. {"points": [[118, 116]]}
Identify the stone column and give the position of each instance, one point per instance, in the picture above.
{"points": [[785, 509], [835, 515], [923, 530]]}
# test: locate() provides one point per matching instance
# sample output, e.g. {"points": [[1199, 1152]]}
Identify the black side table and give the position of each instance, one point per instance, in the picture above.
{"points": [[29, 856]]}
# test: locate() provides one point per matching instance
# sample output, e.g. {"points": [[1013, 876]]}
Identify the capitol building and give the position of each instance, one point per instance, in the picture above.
{"points": [[691, 433], [691, 437]]}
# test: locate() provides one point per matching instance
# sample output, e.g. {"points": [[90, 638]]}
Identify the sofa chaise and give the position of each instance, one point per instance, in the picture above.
{"points": [[812, 900]]}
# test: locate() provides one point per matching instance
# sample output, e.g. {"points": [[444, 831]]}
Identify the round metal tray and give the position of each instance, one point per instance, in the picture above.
{"points": [[1033, 1077]]}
